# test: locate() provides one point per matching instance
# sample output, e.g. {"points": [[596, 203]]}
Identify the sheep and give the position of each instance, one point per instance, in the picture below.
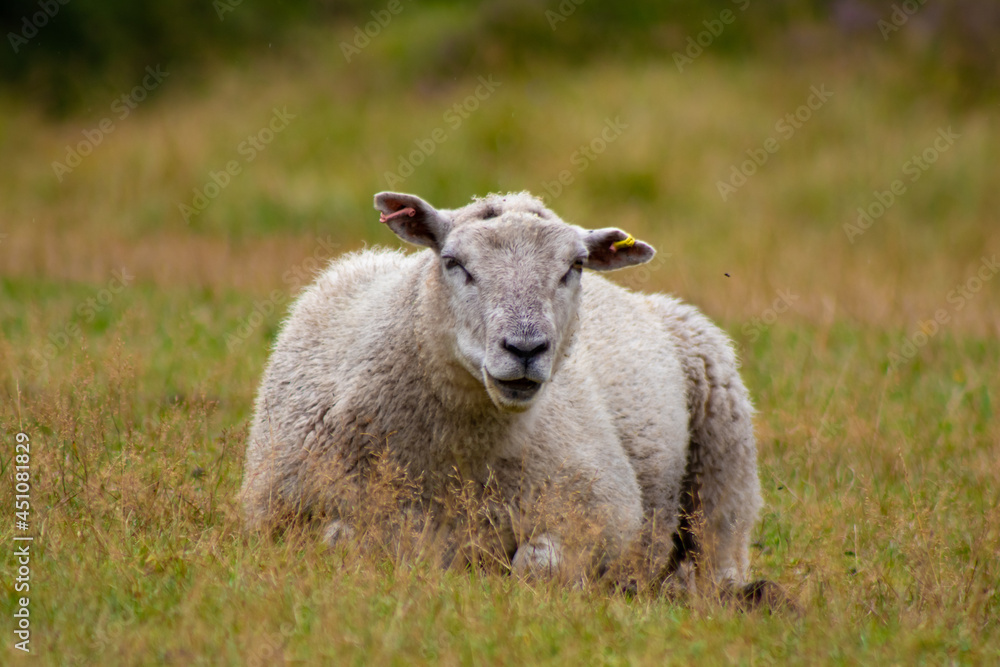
{"points": [[490, 358]]}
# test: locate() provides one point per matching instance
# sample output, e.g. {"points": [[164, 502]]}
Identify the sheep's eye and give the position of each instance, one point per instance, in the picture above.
{"points": [[575, 269], [451, 264]]}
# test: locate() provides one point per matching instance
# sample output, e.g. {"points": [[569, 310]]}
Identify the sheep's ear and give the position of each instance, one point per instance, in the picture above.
{"points": [[412, 219], [609, 249]]}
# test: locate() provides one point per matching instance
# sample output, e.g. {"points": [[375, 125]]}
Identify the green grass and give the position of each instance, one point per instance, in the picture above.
{"points": [[881, 510]]}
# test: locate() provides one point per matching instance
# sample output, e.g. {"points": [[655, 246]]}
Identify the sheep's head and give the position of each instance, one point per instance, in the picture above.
{"points": [[510, 271]]}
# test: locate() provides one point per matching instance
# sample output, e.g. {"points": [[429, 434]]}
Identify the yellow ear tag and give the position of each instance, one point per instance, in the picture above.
{"points": [[626, 243]]}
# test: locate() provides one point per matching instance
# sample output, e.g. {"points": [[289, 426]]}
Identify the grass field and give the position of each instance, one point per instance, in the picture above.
{"points": [[133, 333]]}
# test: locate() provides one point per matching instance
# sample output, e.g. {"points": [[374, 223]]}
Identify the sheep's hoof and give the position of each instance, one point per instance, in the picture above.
{"points": [[539, 558], [764, 595], [337, 532]]}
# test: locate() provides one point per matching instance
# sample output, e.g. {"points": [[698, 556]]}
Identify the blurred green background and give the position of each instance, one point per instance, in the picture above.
{"points": [[65, 53]]}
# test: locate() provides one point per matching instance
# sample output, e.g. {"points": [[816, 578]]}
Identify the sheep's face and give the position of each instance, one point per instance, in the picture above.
{"points": [[514, 289], [510, 272]]}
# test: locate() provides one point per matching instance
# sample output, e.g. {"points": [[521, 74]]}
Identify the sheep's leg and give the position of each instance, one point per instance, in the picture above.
{"points": [[722, 460], [581, 545], [728, 489]]}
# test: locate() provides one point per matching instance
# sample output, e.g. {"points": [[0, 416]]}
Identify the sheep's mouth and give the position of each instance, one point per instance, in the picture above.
{"points": [[524, 385], [520, 390]]}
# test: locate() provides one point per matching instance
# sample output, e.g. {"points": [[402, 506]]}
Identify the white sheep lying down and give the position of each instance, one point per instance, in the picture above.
{"points": [[492, 358]]}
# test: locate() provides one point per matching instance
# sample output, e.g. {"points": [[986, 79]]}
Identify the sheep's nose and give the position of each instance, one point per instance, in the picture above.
{"points": [[526, 349]]}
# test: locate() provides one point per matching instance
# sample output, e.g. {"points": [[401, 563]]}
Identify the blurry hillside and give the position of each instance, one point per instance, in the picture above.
{"points": [[62, 53]]}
